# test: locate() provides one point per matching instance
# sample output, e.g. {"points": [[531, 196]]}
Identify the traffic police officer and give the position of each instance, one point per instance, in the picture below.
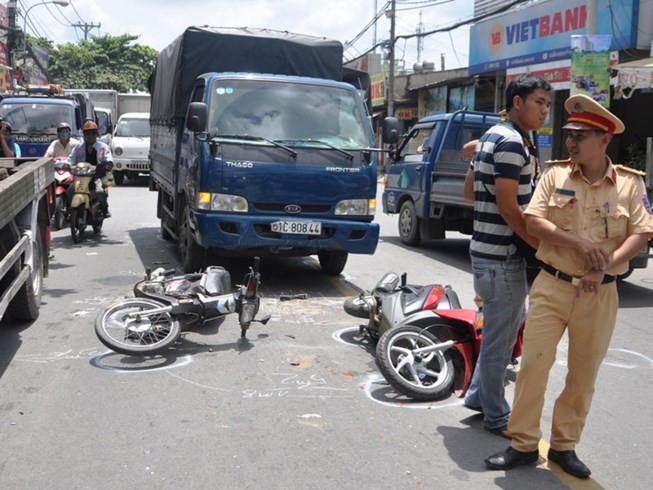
{"points": [[591, 218]]}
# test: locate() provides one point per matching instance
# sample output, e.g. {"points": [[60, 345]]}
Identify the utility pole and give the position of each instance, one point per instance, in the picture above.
{"points": [[11, 38], [591, 17], [86, 27], [391, 65]]}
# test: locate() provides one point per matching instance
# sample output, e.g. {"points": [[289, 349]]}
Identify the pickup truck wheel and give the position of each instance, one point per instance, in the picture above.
{"points": [[623, 276], [408, 224], [118, 177], [332, 261], [25, 305], [193, 256]]}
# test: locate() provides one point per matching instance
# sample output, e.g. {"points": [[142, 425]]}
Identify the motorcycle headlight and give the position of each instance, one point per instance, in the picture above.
{"points": [[117, 151], [222, 202], [356, 207]]}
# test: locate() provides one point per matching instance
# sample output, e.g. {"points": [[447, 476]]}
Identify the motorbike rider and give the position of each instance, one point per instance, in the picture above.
{"points": [[6, 141], [96, 153], [64, 144]]}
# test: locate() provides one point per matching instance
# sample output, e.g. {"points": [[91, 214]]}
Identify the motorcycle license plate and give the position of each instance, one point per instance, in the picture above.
{"points": [[297, 227]]}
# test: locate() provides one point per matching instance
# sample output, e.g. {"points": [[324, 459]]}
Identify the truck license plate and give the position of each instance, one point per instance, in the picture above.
{"points": [[297, 227]]}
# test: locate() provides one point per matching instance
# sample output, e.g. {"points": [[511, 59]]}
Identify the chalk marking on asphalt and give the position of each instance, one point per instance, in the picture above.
{"points": [[375, 378], [98, 362], [194, 383]]}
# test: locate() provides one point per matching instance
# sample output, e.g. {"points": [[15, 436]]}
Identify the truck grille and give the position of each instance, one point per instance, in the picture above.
{"points": [[279, 208]]}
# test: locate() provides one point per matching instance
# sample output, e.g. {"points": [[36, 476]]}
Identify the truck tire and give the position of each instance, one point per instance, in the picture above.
{"points": [[193, 256], [25, 305], [409, 224], [118, 177], [332, 261]]}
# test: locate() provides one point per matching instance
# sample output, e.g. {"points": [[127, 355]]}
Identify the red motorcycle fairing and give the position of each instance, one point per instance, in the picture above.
{"points": [[456, 325]]}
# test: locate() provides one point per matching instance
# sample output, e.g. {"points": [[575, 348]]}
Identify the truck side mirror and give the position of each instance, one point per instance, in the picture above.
{"points": [[197, 117], [390, 131]]}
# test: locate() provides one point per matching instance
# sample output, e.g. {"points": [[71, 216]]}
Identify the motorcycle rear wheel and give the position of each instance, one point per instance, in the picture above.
{"points": [[136, 337], [76, 228], [426, 377]]}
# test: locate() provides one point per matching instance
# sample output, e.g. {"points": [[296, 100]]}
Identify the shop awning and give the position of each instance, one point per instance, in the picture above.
{"points": [[635, 75]]}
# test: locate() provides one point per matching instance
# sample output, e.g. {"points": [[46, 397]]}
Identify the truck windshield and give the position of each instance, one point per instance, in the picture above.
{"points": [[36, 117], [295, 114], [138, 128]]}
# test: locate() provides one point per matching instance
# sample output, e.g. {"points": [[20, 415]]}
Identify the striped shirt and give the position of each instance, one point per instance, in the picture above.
{"points": [[500, 153]]}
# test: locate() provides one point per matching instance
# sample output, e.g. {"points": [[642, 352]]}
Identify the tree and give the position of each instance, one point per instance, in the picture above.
{"points": [[105, 62]]}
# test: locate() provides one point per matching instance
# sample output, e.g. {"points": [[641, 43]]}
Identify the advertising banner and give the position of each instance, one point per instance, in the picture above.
{"points": [[590, 67], [541, 32], [378, 89], [432, 101]]}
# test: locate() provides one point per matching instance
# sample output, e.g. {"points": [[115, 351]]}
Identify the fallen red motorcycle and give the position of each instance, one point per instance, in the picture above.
{"points": [[427, 343]]}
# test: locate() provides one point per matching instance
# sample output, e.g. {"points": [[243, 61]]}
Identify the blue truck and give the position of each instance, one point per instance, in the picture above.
{"points": [[35, 113], [424, 182], [425, 179], [261, 145]]}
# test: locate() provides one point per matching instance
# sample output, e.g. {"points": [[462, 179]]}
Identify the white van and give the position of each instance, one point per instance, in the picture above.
{"points": [[131, 146]]}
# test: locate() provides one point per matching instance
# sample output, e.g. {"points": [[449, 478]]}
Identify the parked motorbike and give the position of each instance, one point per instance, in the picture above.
{"points": [[84, 207], [428, 344], [166, 305], [63, 178]]}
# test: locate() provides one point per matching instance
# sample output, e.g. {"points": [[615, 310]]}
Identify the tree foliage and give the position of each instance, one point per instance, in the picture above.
{"points": [[104, 62]]}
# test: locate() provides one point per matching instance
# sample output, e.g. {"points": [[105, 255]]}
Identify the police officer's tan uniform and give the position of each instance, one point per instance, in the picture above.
{"points": [[606, 212]]}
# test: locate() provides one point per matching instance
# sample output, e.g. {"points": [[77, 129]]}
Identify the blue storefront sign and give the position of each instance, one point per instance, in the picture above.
{"points": [[542, 32]]}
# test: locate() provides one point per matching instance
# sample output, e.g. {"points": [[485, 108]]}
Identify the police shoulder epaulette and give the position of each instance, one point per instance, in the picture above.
{"points": [[630, 170], [557, 162]]}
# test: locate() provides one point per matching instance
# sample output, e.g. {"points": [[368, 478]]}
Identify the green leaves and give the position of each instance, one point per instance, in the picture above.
{"points": [[107, 62]]}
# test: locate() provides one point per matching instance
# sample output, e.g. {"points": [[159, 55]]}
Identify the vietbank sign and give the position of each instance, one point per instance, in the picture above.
{"points": [[541, 32]]}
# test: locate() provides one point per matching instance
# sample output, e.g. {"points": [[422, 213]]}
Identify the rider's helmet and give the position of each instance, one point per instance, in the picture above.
{"points": [[89, 126], [63, 125]]}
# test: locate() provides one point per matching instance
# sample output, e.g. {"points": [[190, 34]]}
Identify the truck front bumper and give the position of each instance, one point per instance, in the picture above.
{"points": [[244, 232]]}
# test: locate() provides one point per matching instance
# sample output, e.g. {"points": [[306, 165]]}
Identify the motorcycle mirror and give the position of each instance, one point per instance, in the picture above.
{"points": [[404, 278]]}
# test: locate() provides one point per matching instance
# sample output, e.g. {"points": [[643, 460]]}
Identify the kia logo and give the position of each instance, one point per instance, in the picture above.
{"points": [[292, 209]]}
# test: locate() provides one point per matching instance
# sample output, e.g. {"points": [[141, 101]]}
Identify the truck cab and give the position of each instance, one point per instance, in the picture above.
{"points": [[35, 114], [424, 182]]}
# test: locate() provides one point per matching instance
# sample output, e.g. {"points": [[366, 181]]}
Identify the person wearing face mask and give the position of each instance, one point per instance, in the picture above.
{"points": [[64, 144]]}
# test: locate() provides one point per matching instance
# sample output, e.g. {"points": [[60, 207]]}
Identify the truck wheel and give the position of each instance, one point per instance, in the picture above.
{"points": [[118, 177], [332, 261], [408, 224], [193, 256], [25, 305]]}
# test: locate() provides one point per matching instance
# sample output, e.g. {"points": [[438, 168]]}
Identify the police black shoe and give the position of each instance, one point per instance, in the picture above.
{"points": [[510, 458], [569, 462]]}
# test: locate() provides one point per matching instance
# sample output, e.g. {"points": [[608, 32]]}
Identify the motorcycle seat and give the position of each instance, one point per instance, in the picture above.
{"points": [[216, 281]]}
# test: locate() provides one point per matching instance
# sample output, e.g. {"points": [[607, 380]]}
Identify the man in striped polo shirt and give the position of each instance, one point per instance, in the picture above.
{"points": [[502, 190]]}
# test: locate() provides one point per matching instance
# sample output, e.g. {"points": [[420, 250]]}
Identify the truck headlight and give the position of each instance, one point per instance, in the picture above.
{"points": [[222, 202], [117, 151], [356, 207]]}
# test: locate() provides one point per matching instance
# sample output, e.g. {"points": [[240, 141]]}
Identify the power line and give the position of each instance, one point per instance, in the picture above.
{"points": [[79, 16]]}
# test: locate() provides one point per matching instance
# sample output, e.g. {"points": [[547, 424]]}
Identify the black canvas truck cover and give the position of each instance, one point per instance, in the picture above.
{"points": [[221, 49]]}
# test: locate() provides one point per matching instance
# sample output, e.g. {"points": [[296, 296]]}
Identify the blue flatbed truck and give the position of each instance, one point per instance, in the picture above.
{"points": [[258, 146]]}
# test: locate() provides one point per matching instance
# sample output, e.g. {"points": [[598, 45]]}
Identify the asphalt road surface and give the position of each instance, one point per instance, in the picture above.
{"points": [[300, 405]]}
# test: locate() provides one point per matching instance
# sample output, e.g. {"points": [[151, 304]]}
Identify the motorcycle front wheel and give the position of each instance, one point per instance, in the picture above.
{"points": [[423, 377], [60, 212], [120, 327], [77, 224]]}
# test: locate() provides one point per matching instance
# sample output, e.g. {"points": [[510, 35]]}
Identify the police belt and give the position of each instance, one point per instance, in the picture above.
{"points": [[574, 280]]}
